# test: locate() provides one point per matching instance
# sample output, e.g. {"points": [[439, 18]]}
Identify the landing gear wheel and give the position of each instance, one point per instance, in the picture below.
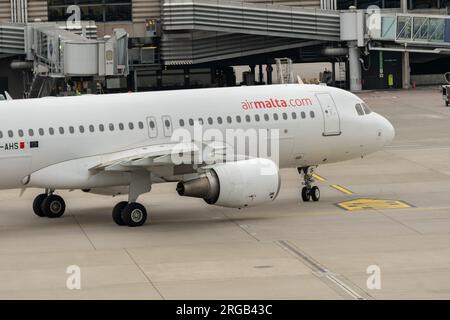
{"points": [[306, 196], [134, 214], [37, 204], [315, 193], [117, 213], [53, 206]]}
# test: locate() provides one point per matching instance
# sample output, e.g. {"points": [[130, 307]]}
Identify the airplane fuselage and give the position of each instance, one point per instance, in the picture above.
{"points": [[41, 138]]}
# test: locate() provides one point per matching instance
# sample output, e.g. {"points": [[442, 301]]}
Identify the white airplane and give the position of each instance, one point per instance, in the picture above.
{"points": [[122, 143]]}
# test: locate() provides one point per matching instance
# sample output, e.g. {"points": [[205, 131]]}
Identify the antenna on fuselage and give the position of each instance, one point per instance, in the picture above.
{"points": [[299, 80]]}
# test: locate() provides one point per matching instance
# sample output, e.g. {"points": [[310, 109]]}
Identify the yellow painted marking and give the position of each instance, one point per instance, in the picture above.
{"points": [[341, 189], [366, 204], [316, 176]]}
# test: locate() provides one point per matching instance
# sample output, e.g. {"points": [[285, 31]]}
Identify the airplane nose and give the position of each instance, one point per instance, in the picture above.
{"points": [[389, 131]]}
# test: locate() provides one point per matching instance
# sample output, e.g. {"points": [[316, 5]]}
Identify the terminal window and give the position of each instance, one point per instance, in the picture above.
{"points": [[412, 4], [97, 10]]}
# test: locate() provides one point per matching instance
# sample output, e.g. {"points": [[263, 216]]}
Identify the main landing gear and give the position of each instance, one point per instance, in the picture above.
{"points": [[49, 205], [309, 191], [130, 213]]}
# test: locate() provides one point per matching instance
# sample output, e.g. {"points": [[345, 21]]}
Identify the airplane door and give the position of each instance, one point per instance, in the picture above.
{"points": [[152, 127], [332, 125], [167, 125]]}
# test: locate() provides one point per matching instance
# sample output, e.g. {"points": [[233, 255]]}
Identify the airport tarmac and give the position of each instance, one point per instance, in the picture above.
{"points": [[286, 249]]}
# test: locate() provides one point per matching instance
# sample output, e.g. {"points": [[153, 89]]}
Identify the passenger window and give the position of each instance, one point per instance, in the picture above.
{"points": [[200, 120], [152, 124], [51, 131], [167, 123], [210, 120], [247, 118], [266, 117], [229, 119], [294, 115], [20, 133], [91, 128], [1, 134], [111, 127], [131, 125], [81, 128], [30, 132], [257, 118], [284, 115], [366, 108], [181, 123], [121, 127], [219, 120], [141, 125], [303, 115], [191, 122], [10, 133], [71, 129], [61, 130], [101, 127], [238, 119], [275, 116], [359, 110], [311, 113]]}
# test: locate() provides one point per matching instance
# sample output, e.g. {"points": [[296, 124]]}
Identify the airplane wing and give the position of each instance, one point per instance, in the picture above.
{"points": [[161, 159]]}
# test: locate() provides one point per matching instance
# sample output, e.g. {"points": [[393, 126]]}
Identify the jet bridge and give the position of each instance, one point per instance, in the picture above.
{"points": [[50, 51], [197, 31]]}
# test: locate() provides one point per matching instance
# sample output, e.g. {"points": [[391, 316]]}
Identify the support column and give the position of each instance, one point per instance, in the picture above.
{"points": [[135, 80], [404, 5], [333, 74], [187, 76], [406, 74], [406, 78], [354, 66], [269, 70], [261, 76]]}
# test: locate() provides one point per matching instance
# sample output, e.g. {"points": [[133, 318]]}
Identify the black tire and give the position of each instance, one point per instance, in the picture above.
{"points": [[117, 213], [305, 194], [53, 206], [134, 214], [37, 205], [315, 193]]}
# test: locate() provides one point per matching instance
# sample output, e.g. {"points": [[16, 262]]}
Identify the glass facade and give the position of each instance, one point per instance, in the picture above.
{"points": [[412, 4], [97, 10]]}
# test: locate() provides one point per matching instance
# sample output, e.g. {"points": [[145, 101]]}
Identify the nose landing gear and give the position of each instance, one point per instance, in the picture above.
{"points": [[308, 191]]}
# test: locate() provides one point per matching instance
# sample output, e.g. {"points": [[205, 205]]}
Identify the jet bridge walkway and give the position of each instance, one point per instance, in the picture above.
{"points": [[412, 32], [197, 31]]}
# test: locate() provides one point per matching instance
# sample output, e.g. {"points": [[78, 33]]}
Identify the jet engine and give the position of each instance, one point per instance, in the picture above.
{"points": [[235, 184]]}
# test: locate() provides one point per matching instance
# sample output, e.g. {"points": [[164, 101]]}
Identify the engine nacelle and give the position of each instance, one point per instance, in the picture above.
{"points": [[235, 184]]}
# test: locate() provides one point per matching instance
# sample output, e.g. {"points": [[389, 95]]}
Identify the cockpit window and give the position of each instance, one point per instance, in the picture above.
{"points": [[359, 109], [366, 108]]}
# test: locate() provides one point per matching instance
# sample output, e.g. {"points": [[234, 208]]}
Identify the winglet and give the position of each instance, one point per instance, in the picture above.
{"points": [[8, 96]]}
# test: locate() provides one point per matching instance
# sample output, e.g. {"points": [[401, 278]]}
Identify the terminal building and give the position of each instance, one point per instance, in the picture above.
{"points": [[64, 47]]}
